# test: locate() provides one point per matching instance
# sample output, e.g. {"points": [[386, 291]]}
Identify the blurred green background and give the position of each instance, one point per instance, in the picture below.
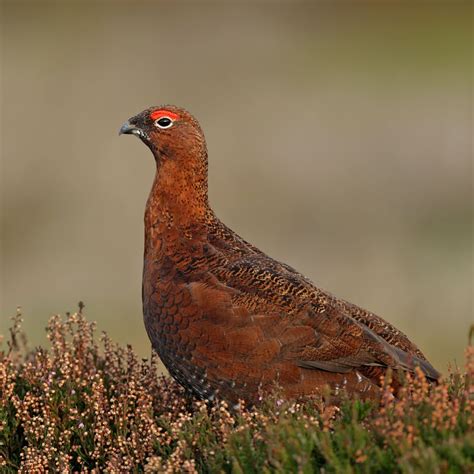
{"points": [[339, 140]]}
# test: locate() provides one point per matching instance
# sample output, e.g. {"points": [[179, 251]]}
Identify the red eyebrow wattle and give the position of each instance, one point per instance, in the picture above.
{"points": [[163, 113]]}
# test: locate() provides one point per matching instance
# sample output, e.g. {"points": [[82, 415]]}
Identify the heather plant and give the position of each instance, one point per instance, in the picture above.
{"points": [[86, 404]]}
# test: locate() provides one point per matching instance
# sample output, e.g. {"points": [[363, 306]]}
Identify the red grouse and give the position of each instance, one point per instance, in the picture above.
{"points": [[228, 320]]}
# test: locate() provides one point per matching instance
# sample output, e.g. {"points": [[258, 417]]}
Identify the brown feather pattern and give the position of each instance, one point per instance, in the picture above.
{"points": [[229, 321]]}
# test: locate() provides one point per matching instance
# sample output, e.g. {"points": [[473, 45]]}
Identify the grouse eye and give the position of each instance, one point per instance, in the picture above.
{"points": [[164, 122]]}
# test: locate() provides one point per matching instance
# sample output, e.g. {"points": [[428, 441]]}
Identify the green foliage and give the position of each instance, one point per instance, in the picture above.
{"points": [[84, 405]]}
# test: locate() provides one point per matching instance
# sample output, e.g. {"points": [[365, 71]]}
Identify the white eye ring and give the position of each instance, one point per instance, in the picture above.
{"points": [[166, 122]]}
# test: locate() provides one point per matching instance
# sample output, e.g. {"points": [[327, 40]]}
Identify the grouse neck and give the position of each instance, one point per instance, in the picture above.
{"points": [[178, 198]]}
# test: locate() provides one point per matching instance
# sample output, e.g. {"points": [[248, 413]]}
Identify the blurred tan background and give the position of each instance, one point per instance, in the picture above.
{"points": [[339, 139]]}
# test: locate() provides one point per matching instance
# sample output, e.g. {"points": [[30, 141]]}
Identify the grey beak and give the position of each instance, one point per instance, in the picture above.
{"points": [[128, 128], [131, 129]]}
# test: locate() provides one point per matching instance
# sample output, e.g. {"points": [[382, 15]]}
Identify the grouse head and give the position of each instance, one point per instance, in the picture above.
{"points": [[169, 131]]}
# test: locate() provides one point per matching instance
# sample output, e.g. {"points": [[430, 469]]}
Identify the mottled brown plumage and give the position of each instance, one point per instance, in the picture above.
{"points": [[225, 318]]}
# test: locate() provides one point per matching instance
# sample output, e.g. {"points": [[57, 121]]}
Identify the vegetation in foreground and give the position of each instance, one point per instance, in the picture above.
{"points": [[89, 405]]}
